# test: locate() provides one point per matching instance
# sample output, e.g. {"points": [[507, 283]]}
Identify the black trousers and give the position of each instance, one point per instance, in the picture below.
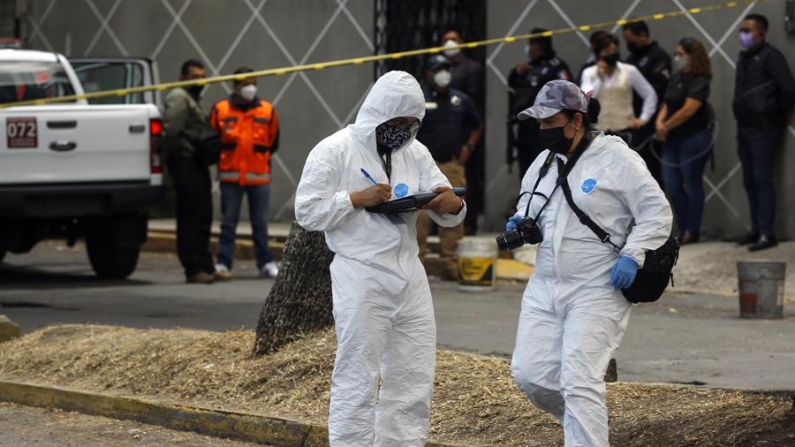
{"points": [[476, 186], [194, 209], [757, 148], [649, 149]]}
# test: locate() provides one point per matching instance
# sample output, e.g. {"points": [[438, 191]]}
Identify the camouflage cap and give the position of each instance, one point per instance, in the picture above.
{"points": [[555, 96]]}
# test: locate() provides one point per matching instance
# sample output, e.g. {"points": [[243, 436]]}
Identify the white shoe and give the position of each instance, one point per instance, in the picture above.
{"points": [[270, 270], [222, 272]]}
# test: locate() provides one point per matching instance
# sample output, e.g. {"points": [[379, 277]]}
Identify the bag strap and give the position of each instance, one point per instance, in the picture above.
{"points": [[603, 235]]}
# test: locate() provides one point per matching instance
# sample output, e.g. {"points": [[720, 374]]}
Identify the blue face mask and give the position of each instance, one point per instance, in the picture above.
{"points": [[527, 54], [746, 39]]}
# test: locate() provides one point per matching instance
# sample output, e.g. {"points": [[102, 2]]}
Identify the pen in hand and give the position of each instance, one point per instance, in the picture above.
{"points": [[387, 194], [369, 177], [374, 195]]}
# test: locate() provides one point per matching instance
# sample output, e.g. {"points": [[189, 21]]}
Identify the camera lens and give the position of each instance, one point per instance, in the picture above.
{"points": [[510, 240]]}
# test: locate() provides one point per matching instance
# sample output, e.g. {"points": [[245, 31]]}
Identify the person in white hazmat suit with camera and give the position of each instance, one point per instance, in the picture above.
{"points": [[573, 313], [383, 313]]}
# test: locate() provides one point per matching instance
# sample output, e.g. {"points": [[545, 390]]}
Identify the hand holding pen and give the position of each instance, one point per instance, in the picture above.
{"points": [[372, 196]]}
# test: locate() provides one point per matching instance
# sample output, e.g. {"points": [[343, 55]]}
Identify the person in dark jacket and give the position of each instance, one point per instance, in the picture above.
{"points": [[764, 93], [654, 64], [683, 127], [184, 120], [525, 81], [469, 77]]}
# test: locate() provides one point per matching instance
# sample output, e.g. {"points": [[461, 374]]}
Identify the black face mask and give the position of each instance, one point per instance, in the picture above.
{"points": [[612, 59], [555, 139], [393, 137], [633, 47], [195, 90]]}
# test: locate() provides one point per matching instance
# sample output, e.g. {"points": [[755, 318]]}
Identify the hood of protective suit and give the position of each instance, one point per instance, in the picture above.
{"points": [[395, 94]]}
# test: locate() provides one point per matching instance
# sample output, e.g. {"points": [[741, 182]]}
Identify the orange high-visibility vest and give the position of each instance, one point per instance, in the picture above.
{"points": [[248, 138]]}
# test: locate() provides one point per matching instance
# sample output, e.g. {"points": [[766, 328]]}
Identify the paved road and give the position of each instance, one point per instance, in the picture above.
{"points": [[680, 339], [36, 427]]}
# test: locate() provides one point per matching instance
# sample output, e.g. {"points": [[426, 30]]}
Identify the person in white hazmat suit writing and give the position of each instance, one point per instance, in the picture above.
{"points": [[573, 313], [383, 314]]}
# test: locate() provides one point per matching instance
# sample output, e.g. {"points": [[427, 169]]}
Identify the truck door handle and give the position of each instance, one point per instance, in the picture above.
{"points": [[61, 124], [137, 128], [63, 146]]}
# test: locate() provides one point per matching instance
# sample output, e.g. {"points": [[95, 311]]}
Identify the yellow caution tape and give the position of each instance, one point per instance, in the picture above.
{"points": [[361, 60]]}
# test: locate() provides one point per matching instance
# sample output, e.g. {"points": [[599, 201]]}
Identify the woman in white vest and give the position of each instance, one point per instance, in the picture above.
{"points": [[613, 83]]}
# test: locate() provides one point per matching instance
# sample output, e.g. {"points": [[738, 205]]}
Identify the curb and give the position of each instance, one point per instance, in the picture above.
{"points": [[279, 432], [164, 242], [159, 241]]}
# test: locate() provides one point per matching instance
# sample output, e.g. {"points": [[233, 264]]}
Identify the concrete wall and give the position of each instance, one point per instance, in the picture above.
{"points": [[726, 210], [227, 34]]}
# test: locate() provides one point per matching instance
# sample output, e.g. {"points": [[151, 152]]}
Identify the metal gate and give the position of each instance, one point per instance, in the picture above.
{"points": [[402, 25]]}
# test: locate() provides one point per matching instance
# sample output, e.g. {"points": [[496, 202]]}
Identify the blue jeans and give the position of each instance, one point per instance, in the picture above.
{"points": [[756, 147], [231, 202], [684, 160]]}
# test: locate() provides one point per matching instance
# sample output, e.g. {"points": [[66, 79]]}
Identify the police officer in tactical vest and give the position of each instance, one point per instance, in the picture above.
{"points": [[525, 81]]}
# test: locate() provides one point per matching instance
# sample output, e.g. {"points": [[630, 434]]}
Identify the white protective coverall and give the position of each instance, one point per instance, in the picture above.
{"points": [[383, 313], [572, 318]]}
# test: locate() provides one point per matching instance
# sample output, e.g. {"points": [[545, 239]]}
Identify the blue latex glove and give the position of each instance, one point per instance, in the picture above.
{"points": [[512, 221], [624, 273]]}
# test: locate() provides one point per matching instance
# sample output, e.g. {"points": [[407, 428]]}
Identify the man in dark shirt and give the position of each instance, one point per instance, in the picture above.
{"points": [[469, 77], [451, 130], [655, 65], [764, 93], [525, 81]]}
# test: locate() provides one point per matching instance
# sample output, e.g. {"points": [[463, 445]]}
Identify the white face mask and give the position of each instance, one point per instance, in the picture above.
{"points": [[248, 92], [452, 52], [679, 63], [442, 78]]}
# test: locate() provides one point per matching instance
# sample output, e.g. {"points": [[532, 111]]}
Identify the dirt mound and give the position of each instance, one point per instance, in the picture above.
{"points": [[475, 400]]}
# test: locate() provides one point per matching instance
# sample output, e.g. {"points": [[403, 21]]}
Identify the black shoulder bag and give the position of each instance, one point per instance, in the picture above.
{"points": [[657, 272], [208, 147]]}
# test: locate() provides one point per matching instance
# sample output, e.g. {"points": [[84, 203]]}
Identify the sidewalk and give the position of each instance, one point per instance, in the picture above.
{"points": [[709, 267]]}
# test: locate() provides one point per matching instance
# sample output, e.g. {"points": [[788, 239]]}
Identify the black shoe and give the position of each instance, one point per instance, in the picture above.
{"points": [[688, 238], [763, 243], [747, 239]]}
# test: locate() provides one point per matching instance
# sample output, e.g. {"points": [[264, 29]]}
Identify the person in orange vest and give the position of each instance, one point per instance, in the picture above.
{"points": [[249, 131]]}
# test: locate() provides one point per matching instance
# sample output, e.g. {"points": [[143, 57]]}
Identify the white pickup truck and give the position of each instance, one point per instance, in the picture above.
{"points": [[74, 170]]}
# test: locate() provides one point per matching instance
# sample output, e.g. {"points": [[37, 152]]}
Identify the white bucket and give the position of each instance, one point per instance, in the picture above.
{"points": [[477, 264]]}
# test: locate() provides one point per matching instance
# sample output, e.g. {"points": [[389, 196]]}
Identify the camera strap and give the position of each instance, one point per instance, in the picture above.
{"points": [[563, 171], [543, 172]]}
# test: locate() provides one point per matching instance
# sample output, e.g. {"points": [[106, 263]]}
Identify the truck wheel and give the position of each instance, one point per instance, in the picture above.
{"points": [[110, 261]]}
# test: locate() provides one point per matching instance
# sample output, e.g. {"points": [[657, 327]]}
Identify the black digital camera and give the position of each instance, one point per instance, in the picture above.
{"points": [[526, 232]]}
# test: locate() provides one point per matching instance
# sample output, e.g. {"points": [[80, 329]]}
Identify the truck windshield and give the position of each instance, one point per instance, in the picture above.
{"points": [[31, 80]]}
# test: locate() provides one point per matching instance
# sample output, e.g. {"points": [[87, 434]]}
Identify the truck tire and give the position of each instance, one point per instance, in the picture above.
{"points": [[111, 261]]}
